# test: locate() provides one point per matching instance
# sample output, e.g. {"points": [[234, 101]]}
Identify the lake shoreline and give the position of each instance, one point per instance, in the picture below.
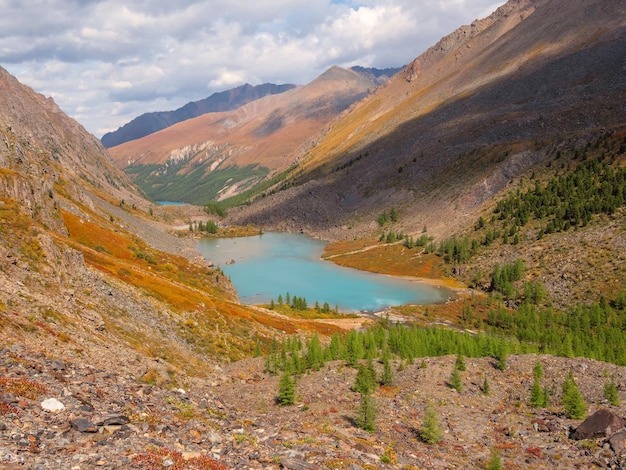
{"points": [[262, 268]]}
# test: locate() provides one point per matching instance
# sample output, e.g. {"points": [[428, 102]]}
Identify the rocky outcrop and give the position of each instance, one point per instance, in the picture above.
{"points": [[603, 423]]}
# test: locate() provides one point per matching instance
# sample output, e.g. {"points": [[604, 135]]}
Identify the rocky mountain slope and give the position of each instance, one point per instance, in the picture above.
{"points": [[220, 154], [470, 116], [87, 271], [223, 101], [60, 413]]}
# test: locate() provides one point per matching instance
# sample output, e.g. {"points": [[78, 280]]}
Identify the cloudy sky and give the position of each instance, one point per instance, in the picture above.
{"points": [[107, 61]]}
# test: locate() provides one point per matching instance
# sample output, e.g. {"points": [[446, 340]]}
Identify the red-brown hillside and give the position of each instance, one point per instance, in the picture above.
{"points": [[265, 131]]}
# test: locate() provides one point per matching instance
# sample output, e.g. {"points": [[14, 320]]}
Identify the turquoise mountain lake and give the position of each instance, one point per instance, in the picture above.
{"points": [[265, 266]]}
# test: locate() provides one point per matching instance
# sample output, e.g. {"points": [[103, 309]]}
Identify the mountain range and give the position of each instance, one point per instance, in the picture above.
{"points": [[220, 154], [493, 164], [222, 101]]}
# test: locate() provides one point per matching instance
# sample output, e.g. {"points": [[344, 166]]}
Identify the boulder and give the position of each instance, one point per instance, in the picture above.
{"points": [[603, 423], [618, 442]]}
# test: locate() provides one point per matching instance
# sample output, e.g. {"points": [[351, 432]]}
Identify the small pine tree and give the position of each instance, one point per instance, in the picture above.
{"points": [[485, 388], [495, 463], [501, 356], [315, 353], [610, 393], [430, 432], [536, 394], [455, 381], [372, 372], [573, 402], [387, 376], [364, 382], [538, 371], [366, 417], [460, 363], [286, 391]]}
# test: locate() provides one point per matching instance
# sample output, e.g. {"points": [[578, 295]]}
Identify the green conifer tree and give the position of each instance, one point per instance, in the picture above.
{"points": [[610, 393], [485, 388], [495, 463], [536, 394], [455, 380], [315, 353], [387, 375], [460, 363], [286, 391], [366, 417], [430, 432], [573, 402], [501, 356], [364, 382]]}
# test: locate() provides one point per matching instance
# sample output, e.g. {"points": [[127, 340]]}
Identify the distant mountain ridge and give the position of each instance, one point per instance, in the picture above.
{"points": [[221, 154], [378, 75], [149, 123]]}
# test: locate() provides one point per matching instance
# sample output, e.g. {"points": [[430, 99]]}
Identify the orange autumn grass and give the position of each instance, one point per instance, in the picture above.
{"points": [[388, 258]]}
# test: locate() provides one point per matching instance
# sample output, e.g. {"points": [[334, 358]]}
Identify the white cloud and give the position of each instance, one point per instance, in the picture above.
{"points": [[107, 61]]}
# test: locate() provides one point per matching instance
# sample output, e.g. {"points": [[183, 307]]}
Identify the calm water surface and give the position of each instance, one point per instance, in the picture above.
{"points": [[276, 263]]}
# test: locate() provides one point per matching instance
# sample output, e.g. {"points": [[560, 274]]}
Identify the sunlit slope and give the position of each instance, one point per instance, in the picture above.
{"points": [[262, 136], [78, 278], [468, 116]]}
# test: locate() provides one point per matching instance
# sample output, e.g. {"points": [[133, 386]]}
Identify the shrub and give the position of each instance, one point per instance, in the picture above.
{"points": [[22, 387]]}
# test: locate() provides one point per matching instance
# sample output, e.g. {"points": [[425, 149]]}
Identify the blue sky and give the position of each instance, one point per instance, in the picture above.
{"points": [[107, 61]]}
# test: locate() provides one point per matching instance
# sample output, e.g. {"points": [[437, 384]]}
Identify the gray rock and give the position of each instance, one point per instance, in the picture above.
{"points": [[618, 442], [114, 419], [83, 425]]}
